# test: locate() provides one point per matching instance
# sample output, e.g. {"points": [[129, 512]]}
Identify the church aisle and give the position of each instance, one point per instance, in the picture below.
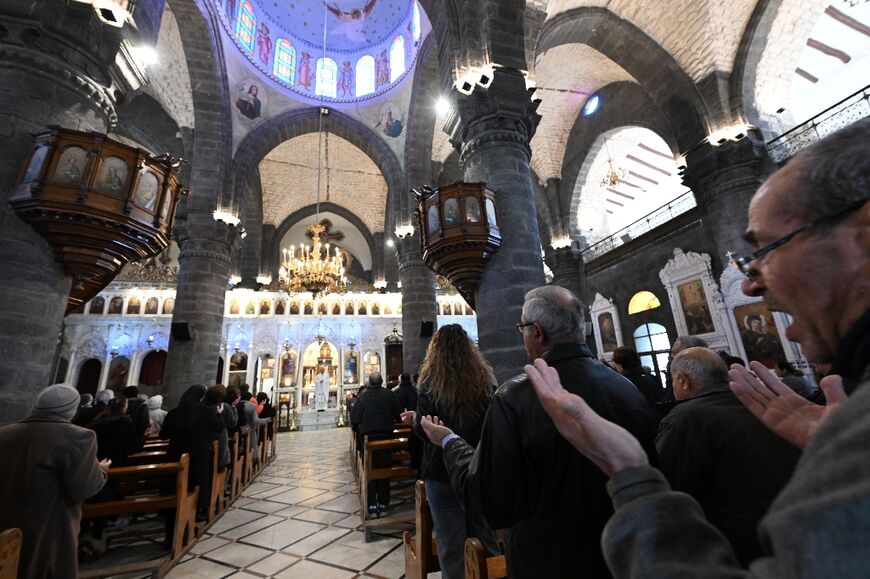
{"points": [[298, 519]]}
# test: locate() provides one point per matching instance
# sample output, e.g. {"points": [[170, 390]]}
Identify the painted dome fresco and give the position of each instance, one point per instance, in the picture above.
{"points": [[370, 45]]}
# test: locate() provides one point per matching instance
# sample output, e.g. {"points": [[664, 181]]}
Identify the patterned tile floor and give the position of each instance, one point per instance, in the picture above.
{"points": [[299, 519]]}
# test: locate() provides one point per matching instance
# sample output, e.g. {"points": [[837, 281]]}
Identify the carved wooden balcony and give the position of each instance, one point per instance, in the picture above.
{"points": [[99, 204], [459, 232]]}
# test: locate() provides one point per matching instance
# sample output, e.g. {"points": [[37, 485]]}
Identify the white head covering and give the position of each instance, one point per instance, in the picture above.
{"points": [[57, 400]]}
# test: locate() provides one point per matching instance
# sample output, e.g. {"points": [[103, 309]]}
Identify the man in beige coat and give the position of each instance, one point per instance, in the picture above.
{"points": [[50, 466]]}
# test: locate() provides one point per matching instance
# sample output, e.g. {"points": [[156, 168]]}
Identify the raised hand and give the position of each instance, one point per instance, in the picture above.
{"points": [[407, 416], [608, 445], [105, 464], [789, 415], [434, 429]]}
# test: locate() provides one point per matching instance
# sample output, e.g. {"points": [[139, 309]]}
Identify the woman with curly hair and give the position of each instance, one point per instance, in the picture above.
{"points": [[456, 384]]}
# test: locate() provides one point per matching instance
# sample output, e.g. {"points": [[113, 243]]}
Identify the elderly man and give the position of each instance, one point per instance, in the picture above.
{"points": [[375, 413], [526, 477], [810, 225], [50, 466], [711, 447]]}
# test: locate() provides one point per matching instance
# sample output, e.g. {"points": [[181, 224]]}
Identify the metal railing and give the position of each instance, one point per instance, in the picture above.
{"points": [[847, 111], [645, 224]]}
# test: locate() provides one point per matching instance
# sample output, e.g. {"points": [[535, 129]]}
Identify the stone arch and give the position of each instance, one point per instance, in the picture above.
{"points": [[668, 85], [624, 104], [212, 139], [273, 251], [760, 39], [259, 142]]}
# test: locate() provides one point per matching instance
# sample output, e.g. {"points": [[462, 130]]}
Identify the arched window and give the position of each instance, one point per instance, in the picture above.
{"points": [[285, 61], [97, 305], [327, 77], [415, 25], [654, 347], [365, 75], [168, 306], [246, 25], [397, 58], [643, 301]]}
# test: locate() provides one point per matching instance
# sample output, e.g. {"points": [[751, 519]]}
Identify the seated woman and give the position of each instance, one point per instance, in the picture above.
{"points": [[456, 385]]}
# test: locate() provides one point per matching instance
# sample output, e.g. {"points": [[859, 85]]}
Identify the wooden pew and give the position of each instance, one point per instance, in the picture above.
{"points": [[479, 566], [237, 465], [10, 553], [217, 505], [147, 457], [421, 552], [181, 501], [400, 449], [246, 454]]}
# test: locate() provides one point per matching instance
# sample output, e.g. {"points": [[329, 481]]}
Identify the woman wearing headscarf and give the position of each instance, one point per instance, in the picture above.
{"points": [[216, 396], [55, 468], [456, 385], [191, 428]]}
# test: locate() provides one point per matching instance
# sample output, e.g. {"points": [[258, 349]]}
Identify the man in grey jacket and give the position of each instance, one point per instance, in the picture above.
{"points": [[810, 226]]}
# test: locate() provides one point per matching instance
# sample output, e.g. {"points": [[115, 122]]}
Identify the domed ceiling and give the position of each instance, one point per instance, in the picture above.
{"points": [[370, 44]]}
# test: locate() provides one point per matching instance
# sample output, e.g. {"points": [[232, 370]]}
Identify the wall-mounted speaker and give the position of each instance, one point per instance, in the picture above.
{"points": [[182, 331], [427, 329]]}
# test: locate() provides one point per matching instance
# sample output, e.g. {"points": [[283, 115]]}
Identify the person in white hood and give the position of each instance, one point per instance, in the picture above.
{"points": [[156, 413]]}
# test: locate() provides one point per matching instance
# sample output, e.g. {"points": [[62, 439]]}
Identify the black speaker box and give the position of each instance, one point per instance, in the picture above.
{"points": [[427, 329], [182, 331]]}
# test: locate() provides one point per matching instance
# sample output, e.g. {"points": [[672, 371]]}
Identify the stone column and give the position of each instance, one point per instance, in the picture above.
{"points": [[206, 247], [418, 301], [566, 264], [492, 128], [54, 63], [724, 178]]}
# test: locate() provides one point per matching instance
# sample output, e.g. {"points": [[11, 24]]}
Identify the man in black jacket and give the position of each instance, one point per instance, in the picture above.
{"points": [[375, 413], [137, 410], [712, 447], [627, 362], [523, 475]]}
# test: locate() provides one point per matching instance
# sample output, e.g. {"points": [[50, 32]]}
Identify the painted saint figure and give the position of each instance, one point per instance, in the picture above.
{"points": [[111, 182], [303, 75], [264, 44], [382, 69], [71, 173], [345, 79], [248, 103]]}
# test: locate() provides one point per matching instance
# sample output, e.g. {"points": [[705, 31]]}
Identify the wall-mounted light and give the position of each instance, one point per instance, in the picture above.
{"points": [[264, 279], [403, 231], [442, 105], [234, 280], [150, 341], [560, 242], [111, 12], [731, 133], [591, 106], [225, 217], [380, 284], [114, 352], [390, 243]]}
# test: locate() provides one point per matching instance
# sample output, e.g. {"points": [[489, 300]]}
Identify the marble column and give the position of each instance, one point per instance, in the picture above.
{"points": [[418, 301], [55, 58], [206, 247], [724, 178], [492, 128]]}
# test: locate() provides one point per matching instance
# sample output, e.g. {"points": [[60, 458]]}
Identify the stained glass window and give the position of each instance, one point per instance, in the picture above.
{"points": [[365, 75], [397, 58], [327, 77], [285, 61], [415, 25], [246, 24]]}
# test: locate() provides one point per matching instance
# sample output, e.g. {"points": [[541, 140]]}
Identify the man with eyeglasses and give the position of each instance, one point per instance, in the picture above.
{"points": [[810, 223], [523, 476]]}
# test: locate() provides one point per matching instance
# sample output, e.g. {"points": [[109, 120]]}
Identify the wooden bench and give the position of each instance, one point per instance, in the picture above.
{"points": [[399, 448], [237, 463], [421, 552], [147, 457], [479, 566], [217, 503], [181, 501], [246, 454], [10, 553]]}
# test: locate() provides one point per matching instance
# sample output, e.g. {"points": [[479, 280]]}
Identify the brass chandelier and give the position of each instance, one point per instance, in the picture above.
{"points": [[313, 269]]}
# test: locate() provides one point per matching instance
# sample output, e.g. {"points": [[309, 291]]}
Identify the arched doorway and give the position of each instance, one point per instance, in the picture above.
{"points": [[153, 366], [89, 376], [654, 347]]}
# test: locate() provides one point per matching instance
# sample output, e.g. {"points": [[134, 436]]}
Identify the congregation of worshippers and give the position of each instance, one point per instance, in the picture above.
{"points": [[578, 466], [414, 289]]}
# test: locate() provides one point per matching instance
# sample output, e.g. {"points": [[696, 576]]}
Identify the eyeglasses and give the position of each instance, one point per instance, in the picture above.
{"points": [[520, 326], [742, 263]]}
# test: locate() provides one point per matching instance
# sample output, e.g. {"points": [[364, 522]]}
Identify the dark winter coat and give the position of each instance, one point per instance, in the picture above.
{"points": [[648, 385], [50, 466], [375, 412], [713, 448], [116, 439], [524, 476]]}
